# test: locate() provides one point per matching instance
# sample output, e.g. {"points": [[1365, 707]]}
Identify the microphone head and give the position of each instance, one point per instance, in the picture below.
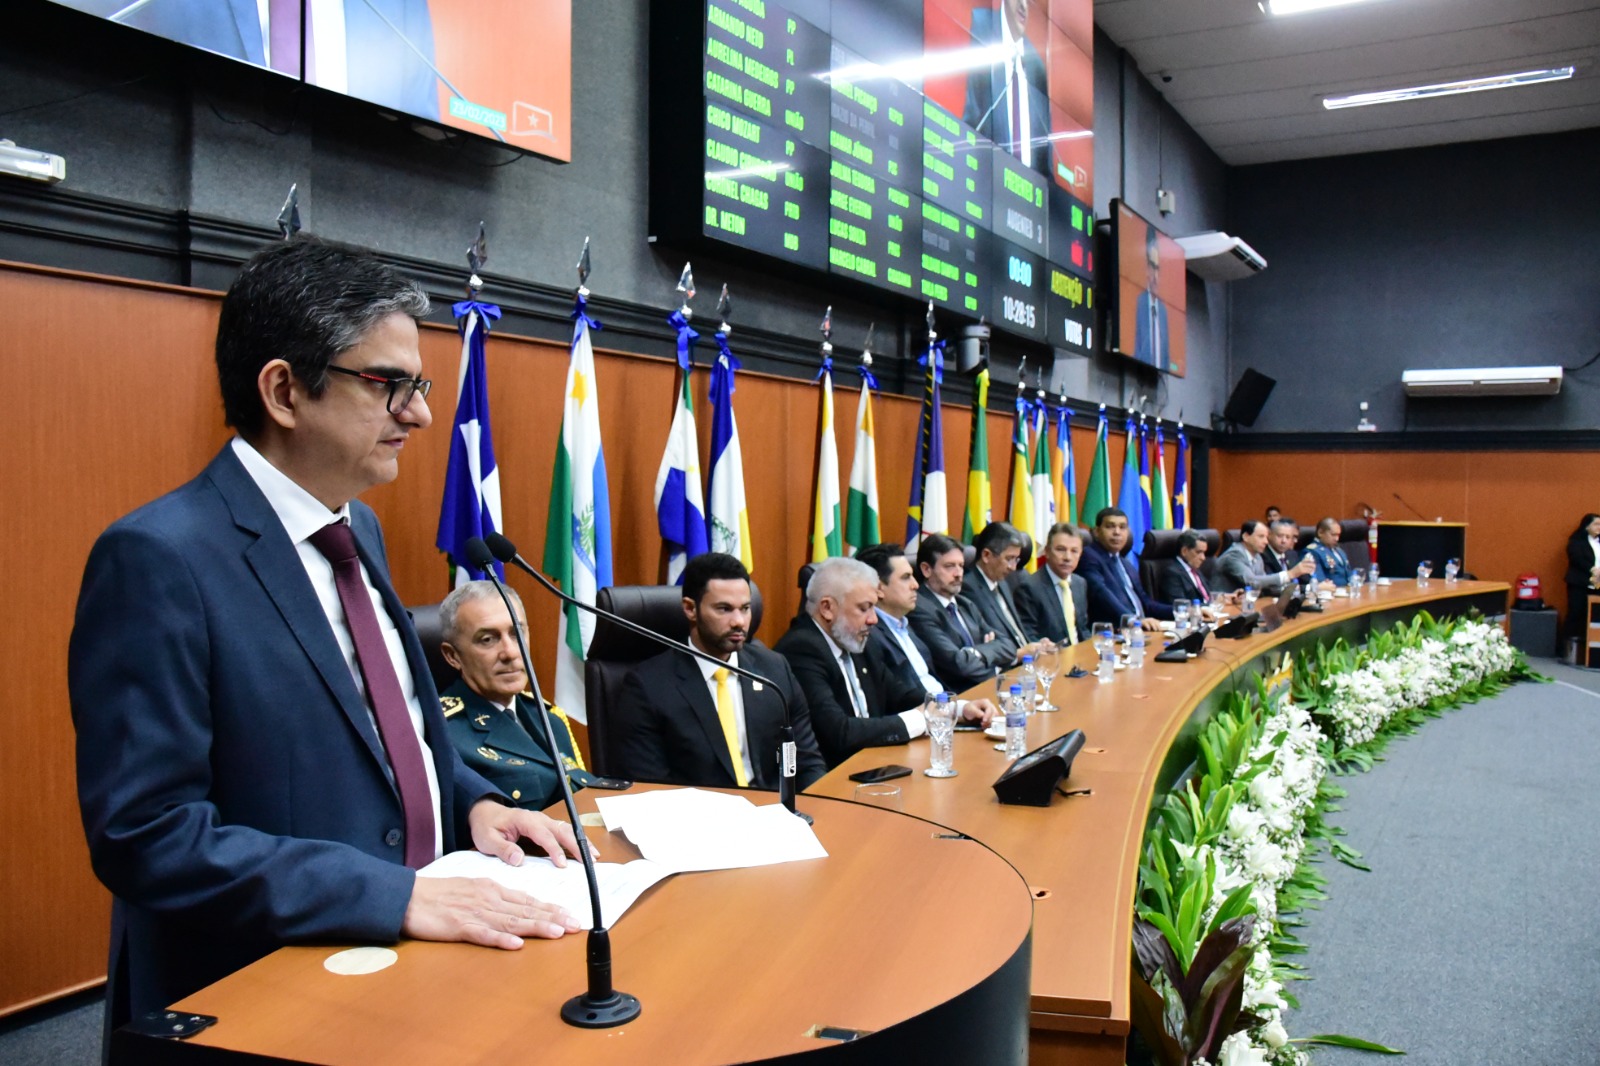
{"points": [[478, 554], [502, 548]]}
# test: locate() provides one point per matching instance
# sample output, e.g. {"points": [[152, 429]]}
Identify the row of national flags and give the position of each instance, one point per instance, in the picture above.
{"points": [[578, 551]]}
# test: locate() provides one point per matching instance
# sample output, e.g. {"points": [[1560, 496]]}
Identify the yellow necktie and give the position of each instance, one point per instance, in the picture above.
{"points": [[1069, 609], [730, 729]]}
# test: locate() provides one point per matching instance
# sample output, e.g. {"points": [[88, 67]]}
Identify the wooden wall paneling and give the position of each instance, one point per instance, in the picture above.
{"points": [[113, 402]]}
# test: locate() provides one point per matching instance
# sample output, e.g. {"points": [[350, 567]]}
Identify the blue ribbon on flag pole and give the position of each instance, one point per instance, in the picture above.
{"points": [[486, 312], [727, 356], [936, 353], [867, 377], [686, 338], [827, 367], [578, 311]]}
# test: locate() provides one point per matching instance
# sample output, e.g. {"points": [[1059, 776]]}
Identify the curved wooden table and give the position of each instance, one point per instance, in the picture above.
{"points": [[730, 966], [1080, 855]]}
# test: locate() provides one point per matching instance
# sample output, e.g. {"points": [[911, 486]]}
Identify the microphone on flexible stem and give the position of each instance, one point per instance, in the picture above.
{"points": [[1414, 511], [602, 1006], [506, 552]]}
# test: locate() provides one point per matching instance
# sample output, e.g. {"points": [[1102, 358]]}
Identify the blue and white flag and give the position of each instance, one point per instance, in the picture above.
{"points": [[471, 505], [680, 506], [729, 527]]}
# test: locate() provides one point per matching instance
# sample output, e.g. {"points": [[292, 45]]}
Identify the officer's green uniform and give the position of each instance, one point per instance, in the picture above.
{"points": [[510, 749]]}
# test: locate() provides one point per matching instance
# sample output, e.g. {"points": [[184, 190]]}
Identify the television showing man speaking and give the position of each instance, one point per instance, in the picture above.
{"points": [[501, 69]]}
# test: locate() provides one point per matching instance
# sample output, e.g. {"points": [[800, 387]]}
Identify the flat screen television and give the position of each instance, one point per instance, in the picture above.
{"points": [[501, 69], [1148, 316]]}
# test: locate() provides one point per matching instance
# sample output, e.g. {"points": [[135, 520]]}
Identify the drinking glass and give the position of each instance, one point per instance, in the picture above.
{"points": [[940, 712], [1046, 663], [881, 795], [1248, 601]]}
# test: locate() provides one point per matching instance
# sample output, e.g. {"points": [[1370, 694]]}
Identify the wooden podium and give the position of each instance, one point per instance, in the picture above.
{"points": [[917, 936], [1402, 545]]}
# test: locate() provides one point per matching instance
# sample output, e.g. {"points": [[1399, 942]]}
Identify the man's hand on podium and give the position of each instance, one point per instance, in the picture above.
{"points": [[479, 911]]}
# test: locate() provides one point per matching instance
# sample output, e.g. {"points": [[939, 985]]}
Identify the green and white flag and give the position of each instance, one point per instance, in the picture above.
{"points": [[861, 526], [577, 543]]}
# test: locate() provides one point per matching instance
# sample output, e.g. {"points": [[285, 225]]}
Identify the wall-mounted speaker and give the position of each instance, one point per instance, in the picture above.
{"points": [[1249, 396]]}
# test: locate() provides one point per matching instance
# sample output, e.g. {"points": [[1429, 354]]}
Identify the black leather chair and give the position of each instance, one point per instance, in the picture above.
{"points": [[614, 651], [1160, 546], [1353, 539], [426, 620]]}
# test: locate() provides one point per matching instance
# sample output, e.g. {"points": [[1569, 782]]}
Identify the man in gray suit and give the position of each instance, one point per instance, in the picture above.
{"points": [[1240, 566], [997, 549], [1054, 601]]}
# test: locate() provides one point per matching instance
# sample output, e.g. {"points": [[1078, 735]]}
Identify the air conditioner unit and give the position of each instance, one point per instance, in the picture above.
{"points": [[1219, 257], [1484, 381]]}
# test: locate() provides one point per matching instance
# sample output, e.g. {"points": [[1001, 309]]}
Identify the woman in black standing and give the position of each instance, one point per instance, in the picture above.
{"points": [[1583, 573]]}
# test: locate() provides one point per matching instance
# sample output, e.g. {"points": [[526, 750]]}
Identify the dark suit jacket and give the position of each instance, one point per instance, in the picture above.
{"points": [[1040, 606], [957, 667], [1273, 563], [840, 734], [1176, 584], [667, 729], [886, 656], [987, 108], [1108, 598], [381, 65], [511, 752], [234, 791], [975, 590]]}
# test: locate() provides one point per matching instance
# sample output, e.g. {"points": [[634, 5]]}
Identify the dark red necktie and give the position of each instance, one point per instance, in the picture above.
{"points": [[338, 544]]}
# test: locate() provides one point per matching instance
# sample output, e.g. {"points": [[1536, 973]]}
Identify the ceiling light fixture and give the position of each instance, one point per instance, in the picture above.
{"points": [[31, 164], [1294, 7], [1449, 88]]}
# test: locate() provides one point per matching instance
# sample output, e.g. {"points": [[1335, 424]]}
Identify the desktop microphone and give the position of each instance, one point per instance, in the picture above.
{"points": [[602, 1006], [506, 552]]}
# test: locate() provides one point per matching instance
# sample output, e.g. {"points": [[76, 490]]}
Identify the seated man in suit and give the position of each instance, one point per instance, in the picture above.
{"points": [[261, 755], [1332, 564], [1181, 578], [1279, 554], [1114, 588], [965, 651], [893, 647], [1240, 567], [1054, 601], [682, 721], [852, 706], [488, 711], [996, 551]]}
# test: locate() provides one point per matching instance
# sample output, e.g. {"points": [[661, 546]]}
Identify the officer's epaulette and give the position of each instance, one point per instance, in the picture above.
{"points": [[452, 705]]}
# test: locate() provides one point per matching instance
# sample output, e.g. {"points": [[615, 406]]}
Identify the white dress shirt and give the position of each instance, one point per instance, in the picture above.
{"points": [[302, 515]]}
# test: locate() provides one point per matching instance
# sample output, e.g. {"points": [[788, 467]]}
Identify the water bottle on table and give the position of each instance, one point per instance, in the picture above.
{"points": [[1105, 647], [1424, 571], [1016, 725], [1028, 678], [1452, 570], [940, 711], [1133, 641]]}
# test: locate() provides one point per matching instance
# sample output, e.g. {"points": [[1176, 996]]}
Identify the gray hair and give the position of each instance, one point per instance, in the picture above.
{"points": [[462, 595], [834, 577]]}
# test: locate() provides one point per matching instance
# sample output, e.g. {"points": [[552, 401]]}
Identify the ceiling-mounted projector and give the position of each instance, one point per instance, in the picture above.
{"points": [[1219, 257], [1484, 381]]}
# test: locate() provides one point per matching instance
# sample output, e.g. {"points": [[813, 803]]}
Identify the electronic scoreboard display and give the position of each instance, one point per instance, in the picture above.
{"points": [[937, 149]]}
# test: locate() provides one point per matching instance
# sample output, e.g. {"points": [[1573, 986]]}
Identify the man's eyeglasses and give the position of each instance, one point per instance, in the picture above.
{"points": [[401, 390]]}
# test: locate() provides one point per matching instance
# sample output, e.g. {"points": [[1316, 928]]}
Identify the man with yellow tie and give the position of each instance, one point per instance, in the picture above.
{"points": [[1054, 601], [682, 721]]}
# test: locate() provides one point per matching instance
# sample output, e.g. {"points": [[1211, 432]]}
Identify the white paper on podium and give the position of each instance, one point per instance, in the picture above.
{"points": [[620, 883], [687, 829]]}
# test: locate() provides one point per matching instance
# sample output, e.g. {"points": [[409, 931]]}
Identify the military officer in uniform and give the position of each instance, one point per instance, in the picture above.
{"points": [[489, 712]]}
